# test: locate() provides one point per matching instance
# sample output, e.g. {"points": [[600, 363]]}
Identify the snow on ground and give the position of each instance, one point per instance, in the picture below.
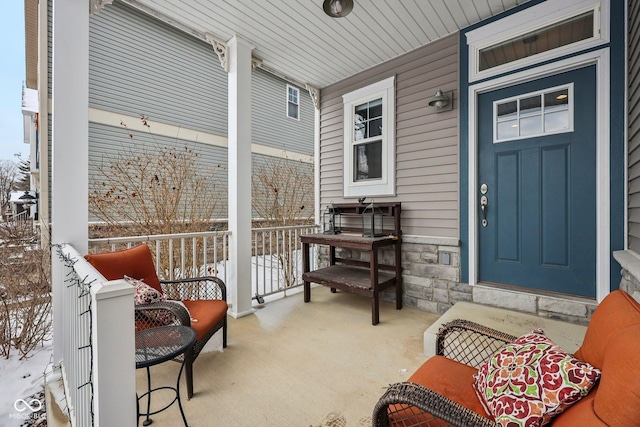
{"points": [[21, 379]]}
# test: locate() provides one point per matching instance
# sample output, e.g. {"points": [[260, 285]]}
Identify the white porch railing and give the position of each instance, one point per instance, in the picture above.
{"points": [[98, 365], [277, 259], [178, 255], [276, 255]]}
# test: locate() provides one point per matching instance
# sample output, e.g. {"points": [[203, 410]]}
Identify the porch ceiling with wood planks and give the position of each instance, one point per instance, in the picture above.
{"points": [[297, 40]]}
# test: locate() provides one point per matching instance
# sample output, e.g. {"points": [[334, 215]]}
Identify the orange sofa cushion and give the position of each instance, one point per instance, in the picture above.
{"points": [[448, 378], [580, 413], [207, 313], [136, 262], [617, 402], [617, 311]]}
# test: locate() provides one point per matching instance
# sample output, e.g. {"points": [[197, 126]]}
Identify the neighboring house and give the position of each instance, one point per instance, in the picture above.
{"points": [[140, 65]]}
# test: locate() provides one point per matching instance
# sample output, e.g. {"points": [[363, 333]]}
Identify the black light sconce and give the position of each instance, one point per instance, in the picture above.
{"points": [[337, 8], [441, 101], [331, 220], [372, 225], [28, 199]]}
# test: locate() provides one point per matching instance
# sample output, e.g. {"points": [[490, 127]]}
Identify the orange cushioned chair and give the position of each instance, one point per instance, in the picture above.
{"points": [[441, 392], [203, 297]]}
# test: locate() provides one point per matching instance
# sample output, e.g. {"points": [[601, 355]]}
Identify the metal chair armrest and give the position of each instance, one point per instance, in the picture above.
{"points": [[196, 288], [410, 404], [156, 314], [469, 342]]}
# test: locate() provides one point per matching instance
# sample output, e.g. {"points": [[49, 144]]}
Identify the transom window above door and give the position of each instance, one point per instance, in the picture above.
{"points": [[534, 114], [556, 35]]}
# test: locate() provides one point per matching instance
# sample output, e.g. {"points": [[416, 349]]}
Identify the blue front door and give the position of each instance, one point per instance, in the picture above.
{"points": [[538, 227]]}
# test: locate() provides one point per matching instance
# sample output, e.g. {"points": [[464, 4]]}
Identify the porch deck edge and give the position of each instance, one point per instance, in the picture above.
{"points": [[568, 336]]}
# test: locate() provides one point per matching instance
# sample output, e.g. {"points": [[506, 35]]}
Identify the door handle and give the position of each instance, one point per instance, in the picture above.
{"points": [[483, 207]]}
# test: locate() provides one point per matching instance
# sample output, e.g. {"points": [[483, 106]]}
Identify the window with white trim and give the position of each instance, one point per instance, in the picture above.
{"points": [[293, 102], [545, 112], [369, 140]]}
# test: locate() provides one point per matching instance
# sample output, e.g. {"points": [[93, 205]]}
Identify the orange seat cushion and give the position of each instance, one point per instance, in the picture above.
{"points": [[207, 313], [617, 402], [446, 377], [580, 413], [136, 262]]}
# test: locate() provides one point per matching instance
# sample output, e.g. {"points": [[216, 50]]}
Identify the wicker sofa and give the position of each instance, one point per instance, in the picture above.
{"points": [[441, 392]]}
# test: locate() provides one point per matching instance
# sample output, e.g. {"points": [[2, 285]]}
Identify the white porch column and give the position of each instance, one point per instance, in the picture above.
{"points": [[239, 61], [112, 323], [70, 131]]}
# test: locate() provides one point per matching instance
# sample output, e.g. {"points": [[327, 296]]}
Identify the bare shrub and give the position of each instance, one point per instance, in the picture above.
{"points": [[282, 195], [25, 289], [155, 189]]}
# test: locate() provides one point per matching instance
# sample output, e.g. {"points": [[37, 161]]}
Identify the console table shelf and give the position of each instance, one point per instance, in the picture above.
{"points": [[353, 275]]}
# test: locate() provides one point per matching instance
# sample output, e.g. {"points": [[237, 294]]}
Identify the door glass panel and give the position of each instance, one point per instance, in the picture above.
{"points": [[555, 122], [507, 110], [532, 105], [534, 114], [555, 100], [531, 125], [507, 130]]}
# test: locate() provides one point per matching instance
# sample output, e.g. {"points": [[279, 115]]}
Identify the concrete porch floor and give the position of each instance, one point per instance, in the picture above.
{"points": [[297, 364], [320, 364]]}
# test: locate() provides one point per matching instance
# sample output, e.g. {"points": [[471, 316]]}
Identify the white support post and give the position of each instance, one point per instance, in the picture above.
{"points": [[70, 132], [113, 340], [239, 154]]}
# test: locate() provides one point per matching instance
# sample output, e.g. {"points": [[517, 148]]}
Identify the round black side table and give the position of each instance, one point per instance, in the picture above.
{"points": [[157, 345]]}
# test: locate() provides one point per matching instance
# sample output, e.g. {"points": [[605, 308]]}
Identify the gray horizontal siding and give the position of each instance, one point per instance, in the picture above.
{"points": [[270, 125], [427, 164], [110, 143], [139, 65], [634, 125]]}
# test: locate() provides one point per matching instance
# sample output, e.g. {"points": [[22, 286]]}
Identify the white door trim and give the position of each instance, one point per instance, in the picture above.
{"points": [[603, 217]]}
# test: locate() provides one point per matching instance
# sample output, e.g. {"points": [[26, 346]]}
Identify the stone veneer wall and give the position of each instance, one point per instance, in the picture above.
{"points": [[431, 276]]}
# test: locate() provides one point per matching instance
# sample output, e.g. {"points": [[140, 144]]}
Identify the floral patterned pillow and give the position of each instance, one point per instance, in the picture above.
{"points": [[531, 380], [143, 293]]}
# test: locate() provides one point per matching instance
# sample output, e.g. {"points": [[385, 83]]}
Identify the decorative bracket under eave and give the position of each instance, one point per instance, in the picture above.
{"points": [[314, 92], [220, 48], [95, 6]]}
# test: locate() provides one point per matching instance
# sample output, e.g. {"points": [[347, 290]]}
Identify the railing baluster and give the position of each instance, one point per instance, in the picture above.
{"points": [[205, 258], [170, 259], [194, 257]]}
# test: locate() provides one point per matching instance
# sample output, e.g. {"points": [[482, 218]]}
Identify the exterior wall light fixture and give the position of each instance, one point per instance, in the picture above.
{"points": [[337, 8], [441, 101]]}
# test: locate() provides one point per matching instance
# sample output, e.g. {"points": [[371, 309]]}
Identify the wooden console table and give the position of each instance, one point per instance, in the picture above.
{"points": [[352, 275]]}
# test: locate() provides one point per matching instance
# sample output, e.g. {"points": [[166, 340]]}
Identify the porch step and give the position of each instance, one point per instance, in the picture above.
{"points": [[566, 335]]}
